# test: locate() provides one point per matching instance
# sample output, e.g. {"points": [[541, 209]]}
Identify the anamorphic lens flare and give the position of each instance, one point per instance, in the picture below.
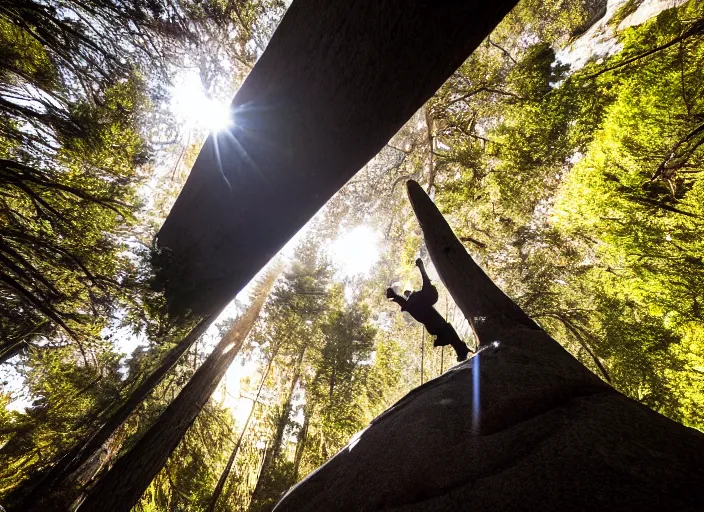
{"points": [[475, 394]]}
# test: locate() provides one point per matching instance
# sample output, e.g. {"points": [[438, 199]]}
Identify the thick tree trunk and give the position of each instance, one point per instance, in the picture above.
{"points": [[521, 426], [119, 489], [337, 80], [51, 491]]}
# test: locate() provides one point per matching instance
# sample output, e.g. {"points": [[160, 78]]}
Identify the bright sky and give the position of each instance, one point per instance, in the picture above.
{"points": [[355, 251], [191, 105]]}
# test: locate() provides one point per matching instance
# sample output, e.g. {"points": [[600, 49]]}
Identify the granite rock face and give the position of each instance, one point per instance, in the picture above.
{"points": [[337, 80], [521, 426]]}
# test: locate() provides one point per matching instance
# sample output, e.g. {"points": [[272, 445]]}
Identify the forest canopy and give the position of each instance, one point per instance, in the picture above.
{"points": [[566, 153]]}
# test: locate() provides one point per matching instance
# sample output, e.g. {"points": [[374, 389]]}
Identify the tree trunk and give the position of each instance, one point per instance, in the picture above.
{"points": [[302, 439], [231, 460], [530, 428], [335, 83], [273, 454], [119, 489], [308, 411], [51, 490]]}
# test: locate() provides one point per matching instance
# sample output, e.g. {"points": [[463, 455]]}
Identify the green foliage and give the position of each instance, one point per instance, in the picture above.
{"points": [[638, 193], [328, 379], [552, 21], [70, 391], [340, 384], [69, 164], [580, 192], [585, 198], [81, 95], [187, 480]]}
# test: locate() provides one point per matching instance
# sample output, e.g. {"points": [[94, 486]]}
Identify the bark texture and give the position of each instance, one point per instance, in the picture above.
{"points": [[487, 308], [520, 426], [52, 491], [337, 80], [259, 501], [119, 489]]}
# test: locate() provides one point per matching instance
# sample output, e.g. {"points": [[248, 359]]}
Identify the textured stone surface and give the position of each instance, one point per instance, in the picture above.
{"points": [[548, 435], [335, 83], [521, 426]]}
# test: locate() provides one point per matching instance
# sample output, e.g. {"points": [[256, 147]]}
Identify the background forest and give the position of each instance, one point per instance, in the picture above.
{"points": [[567, 153]]}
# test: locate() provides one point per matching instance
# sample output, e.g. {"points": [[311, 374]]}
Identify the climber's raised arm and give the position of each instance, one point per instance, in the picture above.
{"points": [[424, 275]]}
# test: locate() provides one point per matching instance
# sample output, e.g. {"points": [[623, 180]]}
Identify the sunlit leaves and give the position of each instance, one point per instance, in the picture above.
{"points": [[586, 200]]}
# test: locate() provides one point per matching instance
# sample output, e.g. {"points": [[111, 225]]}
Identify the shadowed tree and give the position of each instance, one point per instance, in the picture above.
{"points": [[120, 488], [63, 474], [81, 84]]}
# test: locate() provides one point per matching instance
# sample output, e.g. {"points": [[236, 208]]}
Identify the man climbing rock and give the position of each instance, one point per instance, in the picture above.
{"points": [[419, 305]]}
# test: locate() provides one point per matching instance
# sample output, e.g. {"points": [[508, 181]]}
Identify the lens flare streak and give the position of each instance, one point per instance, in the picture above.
{"points": [[475, 394]]}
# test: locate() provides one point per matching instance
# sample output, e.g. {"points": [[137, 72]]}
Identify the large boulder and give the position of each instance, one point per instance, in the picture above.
{"points": [[335, 83], [521, 426]]}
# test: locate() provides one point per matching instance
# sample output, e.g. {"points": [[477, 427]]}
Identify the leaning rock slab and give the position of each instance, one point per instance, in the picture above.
{"points": [[521, 426]]}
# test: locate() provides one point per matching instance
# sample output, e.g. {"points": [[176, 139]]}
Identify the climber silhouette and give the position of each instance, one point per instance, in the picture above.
{"points": [[419, 305]]}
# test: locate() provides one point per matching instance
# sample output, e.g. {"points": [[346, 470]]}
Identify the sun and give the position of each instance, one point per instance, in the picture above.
{"points": [[191, 105], [356, 251], [215, 116]]}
